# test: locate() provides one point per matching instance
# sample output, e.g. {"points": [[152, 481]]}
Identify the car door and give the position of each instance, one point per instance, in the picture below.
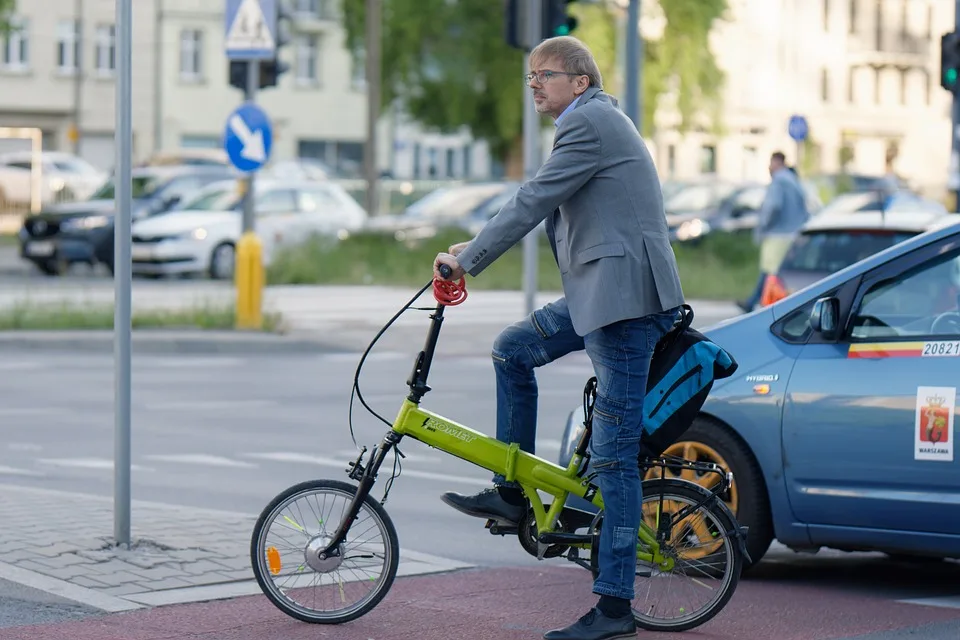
{"points": [[273, 210], [868, 421]]}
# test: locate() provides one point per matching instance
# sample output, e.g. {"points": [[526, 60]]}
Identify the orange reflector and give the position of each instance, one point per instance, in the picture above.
{"points": [[761, 389], [273, 559]]}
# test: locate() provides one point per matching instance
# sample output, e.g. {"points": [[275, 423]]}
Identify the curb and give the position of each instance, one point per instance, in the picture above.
{"points": [[166, 342]]}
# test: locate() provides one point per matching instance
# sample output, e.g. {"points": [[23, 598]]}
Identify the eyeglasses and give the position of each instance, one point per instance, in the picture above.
{"points": [[543, 76]]}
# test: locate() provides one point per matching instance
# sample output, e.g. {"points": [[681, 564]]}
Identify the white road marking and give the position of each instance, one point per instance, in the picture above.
{"points": [[201, 458], [22, 366], [351, 454], [87, 463], [209, 405], [31, 411], [946, 602], [302, 458], [11, 471], [23, 446]]}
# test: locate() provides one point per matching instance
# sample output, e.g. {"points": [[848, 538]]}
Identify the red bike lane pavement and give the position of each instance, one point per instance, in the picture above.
{"points": [[508, 604]]}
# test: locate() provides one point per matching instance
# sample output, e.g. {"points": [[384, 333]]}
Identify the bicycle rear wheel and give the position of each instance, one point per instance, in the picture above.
{"points": [[707, 560], [301, 521]]}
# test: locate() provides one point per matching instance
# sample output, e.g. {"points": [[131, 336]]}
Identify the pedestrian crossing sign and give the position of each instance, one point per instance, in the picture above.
{"points": [[251, 27]]}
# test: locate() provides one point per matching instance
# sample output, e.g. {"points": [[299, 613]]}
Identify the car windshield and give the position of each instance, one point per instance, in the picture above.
{"points": [[143, 187], [220, 199], [835, 249]]}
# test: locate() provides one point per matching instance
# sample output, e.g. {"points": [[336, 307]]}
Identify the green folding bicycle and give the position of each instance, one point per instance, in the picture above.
{"points": [[325, 551]]}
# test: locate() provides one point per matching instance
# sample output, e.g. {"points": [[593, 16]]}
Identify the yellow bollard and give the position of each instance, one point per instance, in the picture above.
{"points": [[249, 280]]}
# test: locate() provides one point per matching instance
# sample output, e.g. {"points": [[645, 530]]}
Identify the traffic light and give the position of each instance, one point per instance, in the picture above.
{"points": [[270, 70], [556, 20], [950, 62]]}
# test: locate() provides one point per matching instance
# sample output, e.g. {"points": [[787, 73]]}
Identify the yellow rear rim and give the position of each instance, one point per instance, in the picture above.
{"points": [[698, 452]]}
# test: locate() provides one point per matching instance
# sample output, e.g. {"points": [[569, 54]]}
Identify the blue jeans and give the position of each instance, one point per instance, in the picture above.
{"points": [[620, 354]]}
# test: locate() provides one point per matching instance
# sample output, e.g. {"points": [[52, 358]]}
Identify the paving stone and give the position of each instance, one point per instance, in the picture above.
{"points": [[123, 589], [166, 583], [68, 573], [87, 581]]}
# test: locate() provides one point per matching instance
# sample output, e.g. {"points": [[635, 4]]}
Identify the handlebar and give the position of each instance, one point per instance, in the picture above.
{"points": [[445, 271]]}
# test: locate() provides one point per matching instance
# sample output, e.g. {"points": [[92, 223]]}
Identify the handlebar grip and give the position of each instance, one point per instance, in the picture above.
{"points": [[445, 271]]}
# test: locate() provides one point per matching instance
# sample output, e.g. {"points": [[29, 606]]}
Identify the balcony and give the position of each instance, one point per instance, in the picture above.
{"points": [[889, 46]]}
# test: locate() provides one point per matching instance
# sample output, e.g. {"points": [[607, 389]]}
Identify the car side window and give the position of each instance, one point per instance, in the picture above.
{"points": [[276, 201], [319, 200], [924, 301]]}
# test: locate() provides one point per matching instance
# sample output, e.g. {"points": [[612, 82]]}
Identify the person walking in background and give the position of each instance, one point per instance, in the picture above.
{"points": [[782, 214]]}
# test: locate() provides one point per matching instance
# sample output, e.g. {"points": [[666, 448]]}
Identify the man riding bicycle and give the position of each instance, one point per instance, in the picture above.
{"points": [[599, 193]]}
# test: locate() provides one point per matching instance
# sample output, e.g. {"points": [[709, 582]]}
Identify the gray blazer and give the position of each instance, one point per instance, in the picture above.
{"points": [[600, 194]]}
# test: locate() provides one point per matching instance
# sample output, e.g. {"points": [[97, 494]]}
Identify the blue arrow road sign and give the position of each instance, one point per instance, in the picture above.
{"points": [[797, 128], [251, 29], [248, 138]]}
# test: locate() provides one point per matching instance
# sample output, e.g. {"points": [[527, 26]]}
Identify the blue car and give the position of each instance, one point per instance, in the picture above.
{"points": [[840, 424]]}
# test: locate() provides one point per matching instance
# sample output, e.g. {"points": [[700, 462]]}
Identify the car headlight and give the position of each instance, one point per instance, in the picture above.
{"points": [[196, 234], [692, 229], [85, 223]]}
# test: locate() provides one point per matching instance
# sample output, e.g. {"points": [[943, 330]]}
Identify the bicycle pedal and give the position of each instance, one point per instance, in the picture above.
{"points": [[498, 529]]}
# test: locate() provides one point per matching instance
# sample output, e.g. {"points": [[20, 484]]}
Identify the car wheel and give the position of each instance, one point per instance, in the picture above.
{"points": [[709, 441], [223, 261]]}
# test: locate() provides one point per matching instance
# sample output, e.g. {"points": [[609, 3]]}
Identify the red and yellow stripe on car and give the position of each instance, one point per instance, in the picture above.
{"points": [[911, 349]]}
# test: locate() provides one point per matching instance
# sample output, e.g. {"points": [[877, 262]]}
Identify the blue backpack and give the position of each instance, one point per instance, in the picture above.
{"points": [[684, 366]]}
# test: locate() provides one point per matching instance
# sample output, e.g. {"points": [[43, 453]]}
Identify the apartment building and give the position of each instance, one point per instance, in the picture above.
{"points": [[864, 74], [58, 68]]}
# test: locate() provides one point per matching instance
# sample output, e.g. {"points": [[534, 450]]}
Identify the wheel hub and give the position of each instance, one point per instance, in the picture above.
{"points": [[322, 565]]}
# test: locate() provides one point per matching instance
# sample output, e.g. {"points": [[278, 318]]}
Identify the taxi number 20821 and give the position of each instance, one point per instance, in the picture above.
{"points": [[945, 348]]}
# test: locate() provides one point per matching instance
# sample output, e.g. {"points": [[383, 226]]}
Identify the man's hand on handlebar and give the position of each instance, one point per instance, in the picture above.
{"points": [[449, 261], [456, 249]]}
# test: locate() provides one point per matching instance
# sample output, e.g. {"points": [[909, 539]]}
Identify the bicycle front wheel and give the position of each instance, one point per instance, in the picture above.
{"points": [[301, 521], [706, 560]]}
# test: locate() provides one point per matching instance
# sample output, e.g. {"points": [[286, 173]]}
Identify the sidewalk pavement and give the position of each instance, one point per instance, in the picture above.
{"points": [[61, 543]]}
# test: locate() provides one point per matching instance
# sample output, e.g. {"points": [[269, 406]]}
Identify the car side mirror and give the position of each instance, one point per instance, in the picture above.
{"points": [[824, 317]]}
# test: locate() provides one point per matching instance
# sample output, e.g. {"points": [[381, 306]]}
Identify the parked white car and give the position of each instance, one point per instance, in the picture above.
{"points": [[201, 236], [64, 177]]}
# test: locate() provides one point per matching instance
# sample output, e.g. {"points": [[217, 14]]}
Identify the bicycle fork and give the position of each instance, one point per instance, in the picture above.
{"points": [[366, 476]]}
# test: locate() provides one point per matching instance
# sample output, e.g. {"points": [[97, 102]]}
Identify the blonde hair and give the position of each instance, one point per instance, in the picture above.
{"points": [[574, 56]]}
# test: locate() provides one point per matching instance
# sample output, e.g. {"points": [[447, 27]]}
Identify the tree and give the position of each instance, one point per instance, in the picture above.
{"points": [[7, 7], [682, 59], [447, 63]]}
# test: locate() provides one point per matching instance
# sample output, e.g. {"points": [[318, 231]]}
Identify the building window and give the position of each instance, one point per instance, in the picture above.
{"points": [[826, 15], [191, 54], [708, 159], [106, 51], [322, 9], [68, 46], [16, 45], [306, 59], [824, 85], [852, 27]]}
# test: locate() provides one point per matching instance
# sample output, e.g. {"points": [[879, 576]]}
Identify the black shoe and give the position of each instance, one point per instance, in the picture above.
{"points": [[745, 306], [596, 626], [486, 504]]}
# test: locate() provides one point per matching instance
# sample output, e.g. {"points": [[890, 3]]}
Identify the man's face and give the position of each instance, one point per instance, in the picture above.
{"points": [[553, 88], [775, 165]]}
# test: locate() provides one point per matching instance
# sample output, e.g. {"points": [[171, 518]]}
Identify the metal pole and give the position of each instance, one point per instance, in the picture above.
{"points": [[634, 66], [122, 278], [955, 155], [78, 76], [373, 103], [253, 82], [531, 158], [158, 77]]}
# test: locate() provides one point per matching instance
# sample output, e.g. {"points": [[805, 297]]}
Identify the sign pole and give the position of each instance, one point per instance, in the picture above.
{"points": [[251, 36], [531, 157], [123, 275]]}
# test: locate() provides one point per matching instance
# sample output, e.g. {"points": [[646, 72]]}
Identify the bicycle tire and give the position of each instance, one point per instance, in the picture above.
{"points": [[257, 553], [727, 523]]}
